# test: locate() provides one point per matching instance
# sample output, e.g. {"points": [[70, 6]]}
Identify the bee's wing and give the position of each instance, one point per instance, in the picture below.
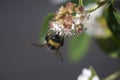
{"points": [[58, 54], [39, 45]]}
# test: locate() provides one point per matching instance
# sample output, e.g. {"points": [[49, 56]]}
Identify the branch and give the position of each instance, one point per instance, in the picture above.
{"points": [[99, 4]]}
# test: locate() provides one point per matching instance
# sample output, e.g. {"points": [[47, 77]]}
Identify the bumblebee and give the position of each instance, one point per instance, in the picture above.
{"points": [[53, 41]]}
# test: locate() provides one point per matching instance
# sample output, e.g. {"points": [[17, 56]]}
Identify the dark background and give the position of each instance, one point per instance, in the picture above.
{"points": [[20, 22]]}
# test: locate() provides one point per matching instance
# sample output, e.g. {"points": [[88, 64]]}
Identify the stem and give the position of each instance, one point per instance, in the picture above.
{"points": [[113, 76], [80, 2], [113, 1], [99, 4]]}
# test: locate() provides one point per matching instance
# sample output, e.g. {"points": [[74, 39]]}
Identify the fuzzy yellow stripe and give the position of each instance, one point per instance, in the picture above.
{"points": [[53, 43]]}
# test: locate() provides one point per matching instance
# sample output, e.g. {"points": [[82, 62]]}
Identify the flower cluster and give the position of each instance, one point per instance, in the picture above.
{"points": [[68, 20], [87, 75]]}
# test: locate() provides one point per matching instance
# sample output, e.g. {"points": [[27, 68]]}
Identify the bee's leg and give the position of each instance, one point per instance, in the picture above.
{"points": [[39, 45], [58, 54]]}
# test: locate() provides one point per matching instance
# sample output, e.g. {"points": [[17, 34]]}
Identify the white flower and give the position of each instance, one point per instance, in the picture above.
{"points": [[87, 72], [95, 78], [67, 24], [73, 26], [77, 20], [82, 77], [56, 26], [87, 75]]}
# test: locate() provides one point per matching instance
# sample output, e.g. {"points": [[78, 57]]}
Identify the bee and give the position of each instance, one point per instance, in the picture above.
{"points": [[53, 41]]}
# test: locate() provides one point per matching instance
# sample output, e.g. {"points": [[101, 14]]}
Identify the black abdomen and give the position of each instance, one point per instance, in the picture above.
{"points": [[56, 39]]}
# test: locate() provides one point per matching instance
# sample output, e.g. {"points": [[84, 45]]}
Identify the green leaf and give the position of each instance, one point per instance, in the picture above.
{"points": [[44, 28], [110, 45], [113, 20], [93, 71], [77, 47], [108, 42], [113, 76], [87, 2]]}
